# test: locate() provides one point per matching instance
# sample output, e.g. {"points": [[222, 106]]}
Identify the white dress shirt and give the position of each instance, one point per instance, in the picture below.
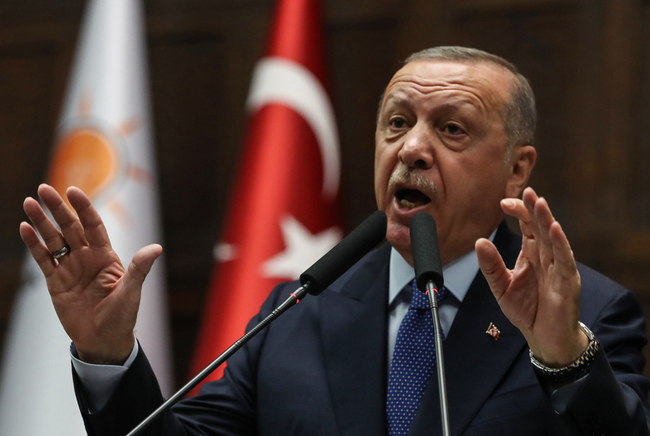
{"points": [[458, 274]]}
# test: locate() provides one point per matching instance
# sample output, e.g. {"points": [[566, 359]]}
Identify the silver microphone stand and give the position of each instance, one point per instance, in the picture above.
{"points": [[432, 293]]}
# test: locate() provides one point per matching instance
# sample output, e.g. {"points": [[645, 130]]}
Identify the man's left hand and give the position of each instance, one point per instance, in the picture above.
{"points": [[541, 295]]}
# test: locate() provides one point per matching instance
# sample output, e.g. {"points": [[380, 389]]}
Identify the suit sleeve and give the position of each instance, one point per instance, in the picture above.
{"points": [[223, 407], [612, 398]]}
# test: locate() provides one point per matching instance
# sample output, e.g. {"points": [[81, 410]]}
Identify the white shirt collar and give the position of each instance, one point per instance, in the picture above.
{"points": [[458, 274]]}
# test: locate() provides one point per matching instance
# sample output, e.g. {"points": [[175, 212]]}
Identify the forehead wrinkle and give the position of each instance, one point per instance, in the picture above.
{"points": [[457, 96], [478, 85]]}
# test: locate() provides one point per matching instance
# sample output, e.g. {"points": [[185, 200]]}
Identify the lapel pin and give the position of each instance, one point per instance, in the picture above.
{"points": [[493, 331]]}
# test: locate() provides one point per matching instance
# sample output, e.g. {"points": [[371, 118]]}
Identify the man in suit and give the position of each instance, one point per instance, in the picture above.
{"points": [[454, 138]]}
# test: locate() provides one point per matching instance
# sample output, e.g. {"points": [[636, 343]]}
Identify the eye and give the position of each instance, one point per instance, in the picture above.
{"points": [[454, 129], [397, 122]]}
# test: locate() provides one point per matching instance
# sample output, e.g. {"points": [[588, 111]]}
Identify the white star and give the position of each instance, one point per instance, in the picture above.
{"points": [[302, 249], [224, 252]]}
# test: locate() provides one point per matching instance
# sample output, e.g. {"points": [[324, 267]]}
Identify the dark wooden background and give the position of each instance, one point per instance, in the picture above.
{"points": [[588, 61]]}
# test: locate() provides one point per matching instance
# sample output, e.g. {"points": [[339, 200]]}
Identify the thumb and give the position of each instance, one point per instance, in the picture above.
{"points": [[494, 269], [139, 268]]}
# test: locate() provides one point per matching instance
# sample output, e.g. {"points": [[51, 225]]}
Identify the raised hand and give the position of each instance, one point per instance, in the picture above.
{"points": [[95, 299], [541, 295]]}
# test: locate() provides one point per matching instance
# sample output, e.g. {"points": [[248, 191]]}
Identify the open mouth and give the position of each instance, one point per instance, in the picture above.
{"points": [[411, 198]]}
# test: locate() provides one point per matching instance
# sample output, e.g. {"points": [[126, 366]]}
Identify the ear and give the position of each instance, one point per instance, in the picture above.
{"points": [[521, 165]]}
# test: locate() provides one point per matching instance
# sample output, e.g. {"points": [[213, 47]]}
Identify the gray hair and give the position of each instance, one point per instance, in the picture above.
{"points": [[519, 115]]}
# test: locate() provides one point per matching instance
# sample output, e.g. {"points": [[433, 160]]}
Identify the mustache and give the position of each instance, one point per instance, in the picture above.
{"points": [[413, 177]]}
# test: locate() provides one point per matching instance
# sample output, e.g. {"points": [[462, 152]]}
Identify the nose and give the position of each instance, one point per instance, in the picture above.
{"points": [[417, 149]]}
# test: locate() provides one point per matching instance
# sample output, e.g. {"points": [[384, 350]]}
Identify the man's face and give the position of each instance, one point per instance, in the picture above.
{"points": [[441, 148]]}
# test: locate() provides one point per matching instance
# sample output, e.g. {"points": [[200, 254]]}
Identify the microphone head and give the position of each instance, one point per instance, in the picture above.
{"points": [[345, 254], [426, 254]]}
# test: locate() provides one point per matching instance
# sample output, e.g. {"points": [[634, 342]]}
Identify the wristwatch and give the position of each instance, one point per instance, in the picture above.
{"points": [[574, 371]]}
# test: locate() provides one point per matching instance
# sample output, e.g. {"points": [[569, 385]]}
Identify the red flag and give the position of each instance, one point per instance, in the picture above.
{"points": [[284, 212]]}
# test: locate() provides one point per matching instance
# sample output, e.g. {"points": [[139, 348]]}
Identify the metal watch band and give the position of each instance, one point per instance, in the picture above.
{"points": [[574, 371]]}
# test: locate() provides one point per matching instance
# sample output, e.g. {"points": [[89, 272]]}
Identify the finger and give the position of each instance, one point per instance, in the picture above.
{"points": [[562, 251], [530, 198], [540, 232], [38, 250], [68, 222], [544, 220], [51, 235], [138, 270], [515, 207], [494, 269], [92, 223]]}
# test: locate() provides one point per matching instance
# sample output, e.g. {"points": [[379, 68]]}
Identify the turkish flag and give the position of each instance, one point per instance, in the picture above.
{"points": [[283, 214]]}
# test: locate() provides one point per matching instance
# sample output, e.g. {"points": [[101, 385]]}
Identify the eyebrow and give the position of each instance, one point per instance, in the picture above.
{"points": [[395, 101], [456, 104]]}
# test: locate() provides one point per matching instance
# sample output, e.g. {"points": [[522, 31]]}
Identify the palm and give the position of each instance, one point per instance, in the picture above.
{"points": [[85, 290], [541, 294], [94, 297]]}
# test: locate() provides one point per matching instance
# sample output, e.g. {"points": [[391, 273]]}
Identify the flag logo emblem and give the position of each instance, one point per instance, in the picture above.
{"points": [[493, 331], [86, 158]]}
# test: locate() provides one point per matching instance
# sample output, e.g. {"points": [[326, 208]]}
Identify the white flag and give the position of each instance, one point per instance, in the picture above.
{"points": [[104, 147]]}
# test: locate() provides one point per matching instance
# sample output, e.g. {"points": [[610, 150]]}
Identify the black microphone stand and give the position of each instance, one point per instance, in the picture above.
{"points": [[293, 299]]}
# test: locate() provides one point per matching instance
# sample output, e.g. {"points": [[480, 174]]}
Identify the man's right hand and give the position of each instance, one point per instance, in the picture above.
{"points": [[95, 299]]}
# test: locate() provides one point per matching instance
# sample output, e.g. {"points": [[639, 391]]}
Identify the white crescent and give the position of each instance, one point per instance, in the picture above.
{"points": [[278, 80]]}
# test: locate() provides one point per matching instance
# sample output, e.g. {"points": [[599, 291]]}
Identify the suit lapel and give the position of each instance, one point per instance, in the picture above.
{"points": [[354, 338], [474, 361]]}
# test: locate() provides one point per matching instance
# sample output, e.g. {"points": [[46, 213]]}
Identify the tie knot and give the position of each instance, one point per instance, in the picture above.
{"points": [[421, 301]]}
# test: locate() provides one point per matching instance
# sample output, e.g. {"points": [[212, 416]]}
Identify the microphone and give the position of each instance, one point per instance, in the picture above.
{"points": [[318, 277], [428, 277], [345, 254], [426, 254]]}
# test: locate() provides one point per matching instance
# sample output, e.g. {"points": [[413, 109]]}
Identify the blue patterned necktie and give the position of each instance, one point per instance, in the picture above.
{"points": [[413, 362]]}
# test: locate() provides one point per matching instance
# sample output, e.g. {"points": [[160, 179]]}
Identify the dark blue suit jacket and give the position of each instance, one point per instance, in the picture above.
{"points": [[321, 369]]}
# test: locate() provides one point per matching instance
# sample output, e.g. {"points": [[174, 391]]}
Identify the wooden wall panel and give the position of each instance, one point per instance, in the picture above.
{"points": [[362, 69], [191, 111], [25, 131], [639, 176]]}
